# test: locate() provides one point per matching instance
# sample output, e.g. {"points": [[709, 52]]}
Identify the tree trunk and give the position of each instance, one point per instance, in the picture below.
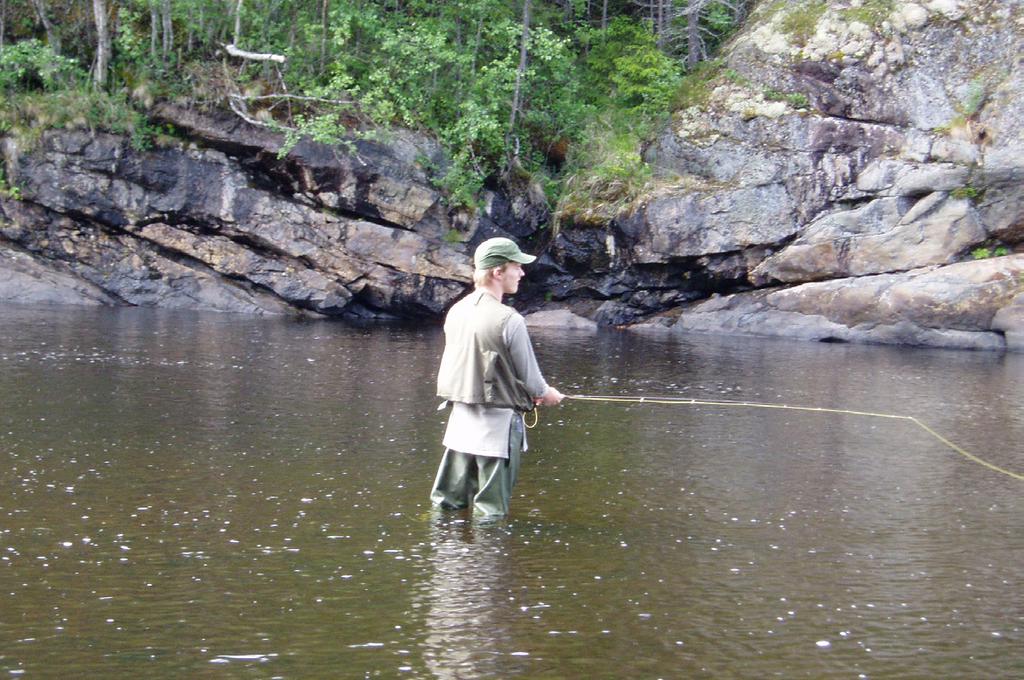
{"points": [[99, 8], [476, 47], [291, 37], [517, 94], [190, 35], [3, 21], [693, 48], [238, 23], [154, 29], [168, 29], [201, 29], [659, 26], [604, 15], [323, 33], [52, 37]]}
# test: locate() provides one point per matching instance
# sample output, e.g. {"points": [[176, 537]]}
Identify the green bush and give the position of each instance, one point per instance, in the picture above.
{"points": [[31, 66], [45, 91], [422, 70], [7, 190], [974, 98]]}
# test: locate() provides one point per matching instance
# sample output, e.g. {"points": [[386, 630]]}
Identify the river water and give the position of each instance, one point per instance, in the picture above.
{"points": [[188, 495]]}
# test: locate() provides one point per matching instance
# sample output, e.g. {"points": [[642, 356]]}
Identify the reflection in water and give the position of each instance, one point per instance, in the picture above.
{"points": [[462, 597], [187, 493]]}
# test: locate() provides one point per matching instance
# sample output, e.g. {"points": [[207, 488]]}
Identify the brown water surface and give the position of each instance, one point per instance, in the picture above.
{"points": [[188, 495]]}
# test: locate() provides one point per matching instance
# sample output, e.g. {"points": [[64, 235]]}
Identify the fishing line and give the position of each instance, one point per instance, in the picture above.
{"points": [[681, 401], [534, 423]]}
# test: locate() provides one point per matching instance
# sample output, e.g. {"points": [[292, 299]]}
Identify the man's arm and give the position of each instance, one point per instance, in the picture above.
{"points": [[525, 362]]}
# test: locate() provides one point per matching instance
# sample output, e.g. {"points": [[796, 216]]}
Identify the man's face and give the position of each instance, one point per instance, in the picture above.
{"points": [[509, 276]]}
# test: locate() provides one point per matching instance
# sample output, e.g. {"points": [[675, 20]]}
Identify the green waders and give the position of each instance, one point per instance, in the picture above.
{"points": [[485, 480]]}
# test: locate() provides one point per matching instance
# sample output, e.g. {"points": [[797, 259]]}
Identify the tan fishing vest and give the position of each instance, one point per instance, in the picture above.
{"points": [[476, 367]]}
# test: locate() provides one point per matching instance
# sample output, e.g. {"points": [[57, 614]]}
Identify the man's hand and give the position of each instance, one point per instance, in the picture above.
{"points": [[550, 398]]}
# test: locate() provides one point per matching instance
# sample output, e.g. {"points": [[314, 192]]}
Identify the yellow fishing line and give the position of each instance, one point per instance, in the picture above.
{"points": [[753, 404]]}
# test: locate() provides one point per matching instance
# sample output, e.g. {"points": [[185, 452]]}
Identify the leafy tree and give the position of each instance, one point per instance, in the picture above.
{"points": [[626, 56]]}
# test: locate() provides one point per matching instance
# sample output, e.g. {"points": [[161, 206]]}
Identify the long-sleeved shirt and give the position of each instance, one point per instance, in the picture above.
{"points": [[484, 430]]}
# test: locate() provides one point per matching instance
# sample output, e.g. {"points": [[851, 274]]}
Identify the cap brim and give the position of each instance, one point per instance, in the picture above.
{"points": [[523, 258]]}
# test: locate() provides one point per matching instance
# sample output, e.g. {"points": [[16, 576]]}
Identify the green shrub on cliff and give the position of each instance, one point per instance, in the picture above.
{"points": [[870, 12], [633, 85], [8, 190], [985, 252], [608, 173], [801, 20], [27, 115], [43, 91]]}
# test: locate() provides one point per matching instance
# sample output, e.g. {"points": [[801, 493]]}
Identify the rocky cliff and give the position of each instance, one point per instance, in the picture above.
{"points": [[854, 173], [224, 222]]}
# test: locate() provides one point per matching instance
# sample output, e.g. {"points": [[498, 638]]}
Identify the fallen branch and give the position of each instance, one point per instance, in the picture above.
{"points": [[255, 56]]}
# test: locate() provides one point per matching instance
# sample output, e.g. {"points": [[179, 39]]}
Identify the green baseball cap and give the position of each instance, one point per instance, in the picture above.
{"points": [[495, 252]]}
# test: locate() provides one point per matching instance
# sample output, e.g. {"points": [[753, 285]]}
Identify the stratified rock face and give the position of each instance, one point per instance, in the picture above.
{"points": [[358, 230], [842, 140]]}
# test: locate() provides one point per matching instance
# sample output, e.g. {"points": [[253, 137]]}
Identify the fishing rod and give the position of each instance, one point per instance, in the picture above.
{"points": [[726, 403]]}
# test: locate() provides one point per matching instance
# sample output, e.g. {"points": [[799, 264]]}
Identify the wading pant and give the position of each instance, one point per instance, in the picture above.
{"points": [[485, 480]]}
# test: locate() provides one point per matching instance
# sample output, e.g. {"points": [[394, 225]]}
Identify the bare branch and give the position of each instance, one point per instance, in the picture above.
{"points": [[295, 97], [237, 104], [52, 37]]}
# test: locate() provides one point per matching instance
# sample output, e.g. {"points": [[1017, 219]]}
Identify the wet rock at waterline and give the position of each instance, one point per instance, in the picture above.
{"points": [[975, 305], [24, 280], [560, 318], [1010, 321]]}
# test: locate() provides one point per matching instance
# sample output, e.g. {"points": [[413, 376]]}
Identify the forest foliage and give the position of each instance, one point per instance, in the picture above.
{"points": [[559, 91]]}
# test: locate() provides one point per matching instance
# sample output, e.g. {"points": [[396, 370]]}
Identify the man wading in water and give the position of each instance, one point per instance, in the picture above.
{"points": [[490, 376]]}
